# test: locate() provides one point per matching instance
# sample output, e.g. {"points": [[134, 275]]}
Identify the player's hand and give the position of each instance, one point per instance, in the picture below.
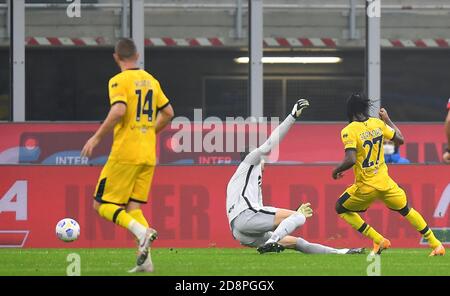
{"points": [[298, 107], [384, 115], [306, 210], [446, 157], [89, 146], [337, 175]]}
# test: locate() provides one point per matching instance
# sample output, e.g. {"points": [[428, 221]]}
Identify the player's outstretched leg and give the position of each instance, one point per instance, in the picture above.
{"points": [[119, 216], [395, 199], [287, 221], [356, 222], [306, 247], [287, 226], [346, 207], [417, 221], [302, 245]]}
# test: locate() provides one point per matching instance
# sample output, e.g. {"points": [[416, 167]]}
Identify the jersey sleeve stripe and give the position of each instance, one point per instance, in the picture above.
{"points": [[350, 148], [164, 106], [116, 102], [393, 137]]}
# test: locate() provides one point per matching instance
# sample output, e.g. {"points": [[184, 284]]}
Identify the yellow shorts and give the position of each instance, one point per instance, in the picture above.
{"points": [[120, 183], [359, 198]]}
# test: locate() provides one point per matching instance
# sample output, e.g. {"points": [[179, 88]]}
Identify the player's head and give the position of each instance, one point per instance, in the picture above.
{"points": [[357, 106], [125, 51]]}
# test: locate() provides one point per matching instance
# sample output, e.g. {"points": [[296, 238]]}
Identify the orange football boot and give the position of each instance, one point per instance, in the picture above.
{"points": [[378, 248], [438, 251]]}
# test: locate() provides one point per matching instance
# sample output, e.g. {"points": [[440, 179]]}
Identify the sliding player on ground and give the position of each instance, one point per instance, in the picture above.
{"points": [[268, 228], [363, 141], [139, 110]]}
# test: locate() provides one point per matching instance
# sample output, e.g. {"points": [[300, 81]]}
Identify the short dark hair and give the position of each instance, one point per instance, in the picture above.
{"points": [[357, 104], [125, 48]]}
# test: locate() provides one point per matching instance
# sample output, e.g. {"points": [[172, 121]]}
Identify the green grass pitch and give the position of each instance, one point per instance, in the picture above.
{"points": [[215, 261]]}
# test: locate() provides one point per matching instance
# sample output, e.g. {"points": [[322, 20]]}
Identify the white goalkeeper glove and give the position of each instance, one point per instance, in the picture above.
{"points": [[298, 108], [305, 210]]}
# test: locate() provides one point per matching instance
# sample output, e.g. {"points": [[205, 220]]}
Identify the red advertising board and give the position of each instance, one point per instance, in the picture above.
{"points": [[319, 143], [60, 144], [187, 205]]}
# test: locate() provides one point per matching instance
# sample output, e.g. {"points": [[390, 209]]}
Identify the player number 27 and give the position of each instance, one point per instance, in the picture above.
{"points": [[367, 162], [146, 108]]}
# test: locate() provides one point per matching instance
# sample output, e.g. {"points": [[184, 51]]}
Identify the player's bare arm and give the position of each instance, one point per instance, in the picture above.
{"points": [[446, 155], [163, 118], [348, 162], [398, 137], [115, 115]]}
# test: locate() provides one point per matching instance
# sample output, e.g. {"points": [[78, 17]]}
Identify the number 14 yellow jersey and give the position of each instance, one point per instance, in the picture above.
{"points": [[135, 137], [367, 139]]}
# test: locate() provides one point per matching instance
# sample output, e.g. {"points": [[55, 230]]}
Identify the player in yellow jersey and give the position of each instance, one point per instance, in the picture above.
{"points": [[139, 110], [363, 141]]}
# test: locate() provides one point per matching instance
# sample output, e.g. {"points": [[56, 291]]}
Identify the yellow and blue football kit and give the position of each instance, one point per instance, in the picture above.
{"points": [[372, 180], [128, 173], [371, 173]]}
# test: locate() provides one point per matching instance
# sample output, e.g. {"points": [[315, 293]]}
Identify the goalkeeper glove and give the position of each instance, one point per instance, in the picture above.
{"points": [[306, 210], [298, 108]]}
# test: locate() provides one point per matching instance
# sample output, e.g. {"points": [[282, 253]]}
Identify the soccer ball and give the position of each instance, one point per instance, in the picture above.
{"points": [[67, 230]]}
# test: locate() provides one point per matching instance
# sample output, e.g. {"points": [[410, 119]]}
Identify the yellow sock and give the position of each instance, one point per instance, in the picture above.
{"points": [[139, 216], [358, 223], [120, 217], [369, 231], [419, 223], [115, 214]]}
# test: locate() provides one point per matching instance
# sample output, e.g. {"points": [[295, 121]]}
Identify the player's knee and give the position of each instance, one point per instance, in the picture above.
{"points": [[404, 211], [339, 208], [131, 206], [288, 242]]}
